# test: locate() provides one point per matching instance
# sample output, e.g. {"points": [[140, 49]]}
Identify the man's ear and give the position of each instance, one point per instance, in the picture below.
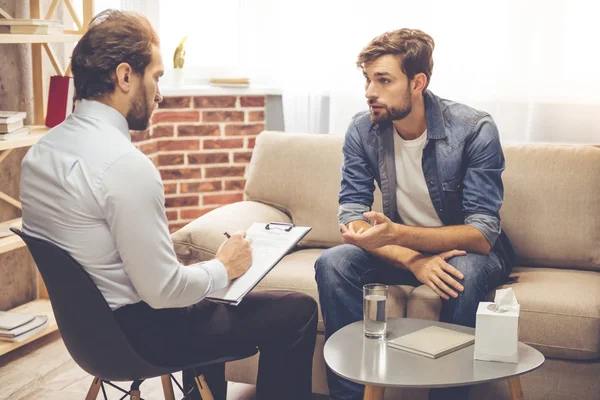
{"points": [[123, 77], [419, 82]]}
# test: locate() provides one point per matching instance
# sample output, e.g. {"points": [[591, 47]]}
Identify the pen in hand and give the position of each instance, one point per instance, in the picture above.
{"points": [[227, 235]]}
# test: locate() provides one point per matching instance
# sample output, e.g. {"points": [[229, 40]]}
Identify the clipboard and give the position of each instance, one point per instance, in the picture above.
{"points": [[270, 243]]}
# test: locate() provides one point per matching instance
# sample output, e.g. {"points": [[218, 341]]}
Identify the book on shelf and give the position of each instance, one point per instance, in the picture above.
{"points": [[11, 320], [24, 331], [60, 99], [432, 342], [19, 133], [13, 126], [230, 82], [9, 117]]}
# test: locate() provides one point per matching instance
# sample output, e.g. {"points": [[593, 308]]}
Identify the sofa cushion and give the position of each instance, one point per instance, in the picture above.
{"points": [[296, 272], [560, 310], [300, 174], [552, 204]]}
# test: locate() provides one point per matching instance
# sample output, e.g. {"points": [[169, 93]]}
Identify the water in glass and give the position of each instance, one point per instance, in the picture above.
{"points": [[374, 315]]}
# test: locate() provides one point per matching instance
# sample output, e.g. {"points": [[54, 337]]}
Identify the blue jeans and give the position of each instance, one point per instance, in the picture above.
{"points": [[342, 271]]}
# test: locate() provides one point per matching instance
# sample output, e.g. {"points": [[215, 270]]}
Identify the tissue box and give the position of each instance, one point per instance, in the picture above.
{"points": [[497, 333]]}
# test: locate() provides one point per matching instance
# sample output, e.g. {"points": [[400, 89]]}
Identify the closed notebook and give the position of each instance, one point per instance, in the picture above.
{"points": [[12, 320], [432, 342], [21, 132], [26, 331], [36, 322], [8, 117], [13, 126]]}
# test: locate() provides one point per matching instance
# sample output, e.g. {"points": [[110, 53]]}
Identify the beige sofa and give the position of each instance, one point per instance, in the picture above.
{"points": [[551, 213]]}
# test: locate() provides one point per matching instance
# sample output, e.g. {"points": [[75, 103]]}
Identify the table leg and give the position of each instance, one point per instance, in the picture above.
{"points": [[514, 384], [373, 392]]}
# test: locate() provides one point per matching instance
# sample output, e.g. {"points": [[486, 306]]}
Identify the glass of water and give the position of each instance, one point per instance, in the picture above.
{"points": [[374, 300]]}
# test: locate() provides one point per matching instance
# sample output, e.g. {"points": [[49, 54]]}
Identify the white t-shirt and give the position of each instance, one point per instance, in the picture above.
{"points": [[412, 196]]}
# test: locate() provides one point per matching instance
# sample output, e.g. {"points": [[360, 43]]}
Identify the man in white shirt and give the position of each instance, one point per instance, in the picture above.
{"points": [[86, 188]]}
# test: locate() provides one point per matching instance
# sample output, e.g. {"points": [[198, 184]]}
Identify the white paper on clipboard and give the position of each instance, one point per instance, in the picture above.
{"points": [[269, 246]]}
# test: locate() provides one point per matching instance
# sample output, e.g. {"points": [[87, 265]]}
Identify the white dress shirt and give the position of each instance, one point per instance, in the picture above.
{"points": [[86, 188]]}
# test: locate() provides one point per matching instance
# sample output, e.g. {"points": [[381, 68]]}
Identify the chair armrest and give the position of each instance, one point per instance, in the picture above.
{"points": [[200, 239]]}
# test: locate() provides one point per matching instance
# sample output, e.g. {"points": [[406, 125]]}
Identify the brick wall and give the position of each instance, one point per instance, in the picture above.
{"points": [[202, 146]]}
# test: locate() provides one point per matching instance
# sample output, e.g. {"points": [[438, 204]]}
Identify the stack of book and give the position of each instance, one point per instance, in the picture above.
{"points": [[230, 82], [30, 26], [11, 125], [15, 327]]}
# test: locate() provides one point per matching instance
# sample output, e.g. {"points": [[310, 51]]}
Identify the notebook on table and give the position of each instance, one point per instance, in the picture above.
{"points": [[432, 342]]}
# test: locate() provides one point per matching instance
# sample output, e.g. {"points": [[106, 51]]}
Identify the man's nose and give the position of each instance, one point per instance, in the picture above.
{"points": [[370, 93]]}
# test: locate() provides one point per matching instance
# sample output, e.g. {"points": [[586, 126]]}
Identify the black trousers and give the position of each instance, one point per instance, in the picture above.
{"points": [[283, 325]]}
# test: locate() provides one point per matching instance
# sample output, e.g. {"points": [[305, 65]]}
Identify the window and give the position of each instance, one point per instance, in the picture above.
{"points": [[212, 27]]}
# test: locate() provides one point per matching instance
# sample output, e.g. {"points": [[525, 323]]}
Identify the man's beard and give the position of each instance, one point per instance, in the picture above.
{"points": [[390, 114], [138, 117]]}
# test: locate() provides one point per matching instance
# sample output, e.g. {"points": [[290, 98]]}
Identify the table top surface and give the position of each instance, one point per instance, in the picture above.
{"points": [[371, 362]]}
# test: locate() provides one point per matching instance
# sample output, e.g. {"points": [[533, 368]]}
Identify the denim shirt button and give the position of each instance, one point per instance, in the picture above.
{"points": [[441, 210]]}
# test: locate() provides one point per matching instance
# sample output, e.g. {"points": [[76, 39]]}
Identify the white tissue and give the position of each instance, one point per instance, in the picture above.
{"points": [[504, 301]]}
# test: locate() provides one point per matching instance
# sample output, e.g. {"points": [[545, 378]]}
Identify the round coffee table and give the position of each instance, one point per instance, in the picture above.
{"points": [[372, 363]]}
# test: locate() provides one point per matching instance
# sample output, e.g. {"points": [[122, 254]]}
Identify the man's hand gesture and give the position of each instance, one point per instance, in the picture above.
{"points": [[384, 232]]}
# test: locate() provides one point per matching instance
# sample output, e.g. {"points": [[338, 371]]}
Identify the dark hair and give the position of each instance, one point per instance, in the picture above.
{"points": [[113, 37], [412, 47]]}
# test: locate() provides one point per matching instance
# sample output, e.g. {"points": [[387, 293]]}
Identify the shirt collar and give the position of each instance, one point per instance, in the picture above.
{"points": [[104, 113], [433, 114]]}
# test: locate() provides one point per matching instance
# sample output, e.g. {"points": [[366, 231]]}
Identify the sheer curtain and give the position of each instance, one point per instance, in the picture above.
{"points": [[532, 64]]}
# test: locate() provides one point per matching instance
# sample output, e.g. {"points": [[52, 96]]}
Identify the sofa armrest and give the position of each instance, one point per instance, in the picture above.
{"points": [[200, 239]]}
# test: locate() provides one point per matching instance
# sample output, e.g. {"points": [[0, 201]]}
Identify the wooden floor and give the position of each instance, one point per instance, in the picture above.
{"points": [[43, 370]]}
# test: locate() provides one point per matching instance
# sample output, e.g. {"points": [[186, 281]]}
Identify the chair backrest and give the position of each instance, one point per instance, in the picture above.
{"points": [[86, 322]]}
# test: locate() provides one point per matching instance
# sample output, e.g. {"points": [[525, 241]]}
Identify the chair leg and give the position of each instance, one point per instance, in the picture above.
{"points": [[203, 388], [134, 393], [167, 386], [92, 393]]}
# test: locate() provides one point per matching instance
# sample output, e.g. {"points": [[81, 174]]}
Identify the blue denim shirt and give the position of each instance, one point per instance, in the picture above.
{"points": [[462, 163]]}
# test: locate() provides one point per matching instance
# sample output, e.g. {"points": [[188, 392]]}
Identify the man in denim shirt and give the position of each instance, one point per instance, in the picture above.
{"points": [[438, 165]]}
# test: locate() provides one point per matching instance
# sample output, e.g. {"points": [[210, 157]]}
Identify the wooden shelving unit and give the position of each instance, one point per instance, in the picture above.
{"points": [[39, 44], [12, 242], [8, 38]]}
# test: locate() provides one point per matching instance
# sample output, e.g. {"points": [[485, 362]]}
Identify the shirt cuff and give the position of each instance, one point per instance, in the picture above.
{"points": [[349, 212], [489, 226], [218, 274]]}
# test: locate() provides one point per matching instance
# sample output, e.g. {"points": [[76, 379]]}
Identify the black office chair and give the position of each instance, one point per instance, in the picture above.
{"points": [[91, 333]]}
